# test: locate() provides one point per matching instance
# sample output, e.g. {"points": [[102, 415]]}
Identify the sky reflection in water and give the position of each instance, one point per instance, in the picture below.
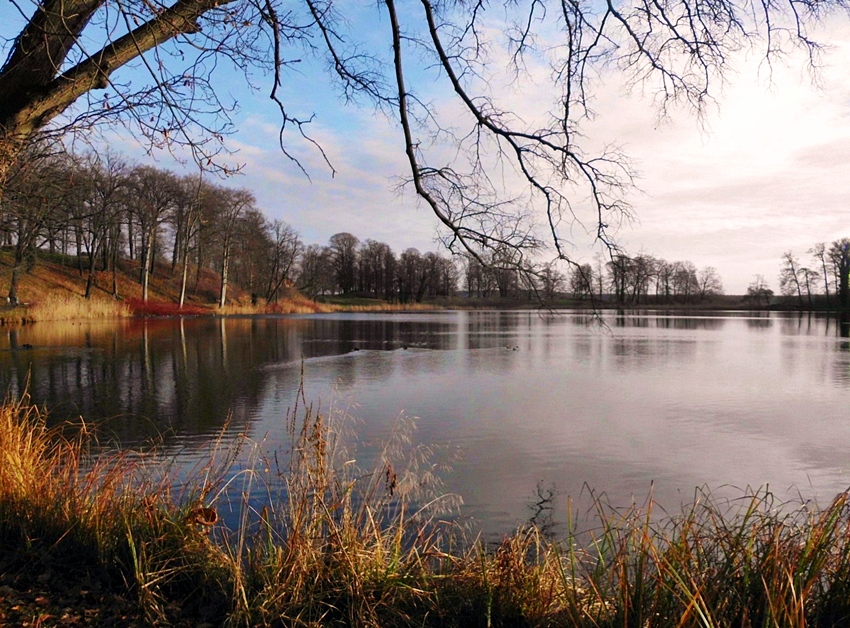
{"points": [[651, 402]]}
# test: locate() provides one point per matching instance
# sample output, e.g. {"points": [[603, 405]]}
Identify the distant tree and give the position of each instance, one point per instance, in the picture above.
{"points": [[250, 248], [582, 281], [235, 203], [664, 280], [505, 265], [446, 277], [286, 247], [188, 223], [377, 269], [710, 283], [642, 270], [599, 273], [839, 255], [479, 282], [618, 274], [316, 273], [789, 279], [551, 280], [809, 281], [343, 249], [819, 253], [36, 187], [106, 178], [154, 192], [758, 292], [685, 282], [415, 273]]}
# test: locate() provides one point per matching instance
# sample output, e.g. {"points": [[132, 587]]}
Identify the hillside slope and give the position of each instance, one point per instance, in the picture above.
{"points": [[53, 287]]}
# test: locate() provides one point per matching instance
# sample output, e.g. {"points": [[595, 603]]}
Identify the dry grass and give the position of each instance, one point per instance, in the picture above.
{"points": [[58, 307], [107, 517], [390, 307], [332, 544], [52, 290], [293, 303]]}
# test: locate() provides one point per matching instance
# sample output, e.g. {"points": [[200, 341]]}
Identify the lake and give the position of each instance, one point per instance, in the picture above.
{"points": [[518, 403]]}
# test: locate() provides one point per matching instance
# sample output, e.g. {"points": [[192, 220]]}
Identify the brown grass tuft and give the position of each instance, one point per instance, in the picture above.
{"points": [[333, 544]]}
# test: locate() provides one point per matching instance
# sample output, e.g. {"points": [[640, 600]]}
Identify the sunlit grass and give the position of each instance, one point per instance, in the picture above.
{"points": [[390, 307], [153, 307], [65, 307], [104, 515], [295, 304], [333, 544]]}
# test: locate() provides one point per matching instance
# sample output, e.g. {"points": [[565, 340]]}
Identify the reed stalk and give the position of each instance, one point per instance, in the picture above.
{"points": [[322, 541], [56, 307]]}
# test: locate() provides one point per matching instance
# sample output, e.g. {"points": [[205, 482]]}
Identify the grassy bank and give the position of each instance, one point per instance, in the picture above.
{"points": [[342, 546], [53, 289]]}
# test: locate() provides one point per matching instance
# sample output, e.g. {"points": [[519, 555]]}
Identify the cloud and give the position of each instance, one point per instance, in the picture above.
{"points": [[765, 173]]}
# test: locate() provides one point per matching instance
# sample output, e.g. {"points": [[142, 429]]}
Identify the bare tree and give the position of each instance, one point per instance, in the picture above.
{"points": [[809, 280], [286, 247], [818, 252], [664, 280], [344, 252], [479, 282], [188, 223], [65, 71], [376, 270], [316, 276], [154, 192], [234, 204], [36, 187], [581, 281], [552, 280], [618, 275], [710, 283], [685, 282], [107, 178], [758, 292], [839, 254], [789, 279]]}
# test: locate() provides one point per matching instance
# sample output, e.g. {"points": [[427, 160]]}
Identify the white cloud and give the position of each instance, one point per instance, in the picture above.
{"points": [[768, 172]]}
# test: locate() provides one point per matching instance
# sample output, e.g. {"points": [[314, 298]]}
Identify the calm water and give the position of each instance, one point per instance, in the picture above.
{"points": [[515, 400]]}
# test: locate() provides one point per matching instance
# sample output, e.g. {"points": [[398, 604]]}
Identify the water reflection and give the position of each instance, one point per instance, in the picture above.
{"points": [[651, 398]]}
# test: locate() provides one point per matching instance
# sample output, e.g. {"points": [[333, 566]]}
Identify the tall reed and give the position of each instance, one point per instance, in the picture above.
{"points": [[322, 540], [334, 543], [72, 307], [66, 510]]}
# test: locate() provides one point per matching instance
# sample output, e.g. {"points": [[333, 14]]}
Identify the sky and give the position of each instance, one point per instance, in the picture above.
{"points": [[764, 172]]}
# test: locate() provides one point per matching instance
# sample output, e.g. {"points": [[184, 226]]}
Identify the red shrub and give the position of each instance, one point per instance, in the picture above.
{"points": [[164, 308]]}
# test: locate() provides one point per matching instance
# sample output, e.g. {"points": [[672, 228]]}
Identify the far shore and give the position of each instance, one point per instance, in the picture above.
{"points": [[54, 290], [63, 306]]}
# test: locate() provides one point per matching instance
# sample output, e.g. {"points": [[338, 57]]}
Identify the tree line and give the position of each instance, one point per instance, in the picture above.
{"points": [[103, 209], [639, 279], [823, 276], [165, 69]]}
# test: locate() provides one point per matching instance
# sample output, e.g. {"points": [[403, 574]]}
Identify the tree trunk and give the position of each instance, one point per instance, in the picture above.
{"points": [[16, 273], [90, 280], [225, 263], [89, 283], [78, 235], [146, 266], [114, 256], [13, 286], [184, 278]]}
